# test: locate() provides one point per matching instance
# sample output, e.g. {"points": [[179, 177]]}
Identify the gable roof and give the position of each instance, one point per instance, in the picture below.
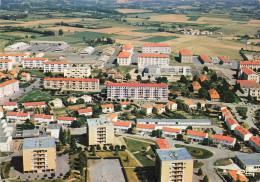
{"points": [[153, 55], [89, 109], [185, 52], [205, 58], [56, 62], [107, 106], [170, 103], [232, 121], [247, 71], [66, 118], [34, 103], [159, 106], [213, 94], [162, 144], [224, 59], [30, 59], [5, 60], [146, 107], [112, 115], [125, 103], [146, 126], [156, 45], [188, 102], [196, 133], [72, 79], [176, 130], [196, 85], [248, 84], [118, 123], [222, 137], [202, 78], [8, 83], [124, 54], [249, 62]]}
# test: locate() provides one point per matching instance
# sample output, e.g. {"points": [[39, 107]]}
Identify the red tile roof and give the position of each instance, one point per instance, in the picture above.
{"points": [[159, 106], [34, 103], [213, 94], [38, 115], [176, 130], [112, 116], [11, 54], [162, 144], [5, 60], [232, 121], [224, 110], [72, 79], [249, 62], [224, 59], [170, 103], [196, 85], [188, 102], [10, 103], [248, 84], [118, 123], [146, 107], [156, 45], [256, 140], [11, 113], [242, 130], [153, 55], [67, 118], [22, 114], [205, 58], [85, 110], [203, 78], [196, 133], [222, 137], [8, 83], [247, 71], [47, 116], [124, 54], [128, 46], [125, 103], [185, 52], [236, 176], [107, 105], [147, 126], [56, 62], [137, 84], [30, 59]]}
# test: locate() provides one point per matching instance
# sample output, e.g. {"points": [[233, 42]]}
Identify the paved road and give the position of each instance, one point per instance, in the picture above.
{"points": [[22, 91]]}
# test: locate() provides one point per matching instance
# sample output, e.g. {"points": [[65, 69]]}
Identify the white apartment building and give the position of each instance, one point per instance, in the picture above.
{"points": [[171, 132], [36, 62], [196, 135], [128, 48], [77, 72], [75, 84], [121, 127], [250, 87], [9, 87], [254, 142], [6, 64], [124, 58], [248, 74], [55, 66], [156, 49], [224, 141], [254, 65], [242, 133], [153, 59], [15, 57], [5, 136], [53, 130], [65, 121], [137, 91], [185, 56], [231, 123], [30, 105], [10, 106]]}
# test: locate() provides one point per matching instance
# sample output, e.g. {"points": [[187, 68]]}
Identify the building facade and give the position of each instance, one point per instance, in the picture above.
{"points": [[156, 49], [9, 87], [77, 72], [185, 56], [205, 60], [33, 62], [55, 66], [16, 57], [124, 58], [6, 64], [153, 59]]}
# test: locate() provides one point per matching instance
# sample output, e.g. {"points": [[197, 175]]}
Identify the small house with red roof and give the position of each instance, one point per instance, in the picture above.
{"points": [[86, 112], [203, 78], [189, 105], [145, 128], [250, 64], [65, 121], [55, 66], [205, 60], [112, 116], [254, 142], [29, 105], [196, 136], [248, 74], [121, 127], [17, 117], [43, 120], [159, 108], [250, 88], [6, 64], [107, 108], [224, 141], [237, 176], [147, 109], [213, 95], [185, 56], [172, 106], [225, 61], [25, 76], [195, 86], [171, 132], [201, 104], [10, 106], [124, 104], [128, 48], [242, 133], [162, 144], [231, 123]]}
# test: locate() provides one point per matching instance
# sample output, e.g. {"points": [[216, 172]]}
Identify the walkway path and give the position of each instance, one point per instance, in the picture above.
{"points": [[134, 158]]}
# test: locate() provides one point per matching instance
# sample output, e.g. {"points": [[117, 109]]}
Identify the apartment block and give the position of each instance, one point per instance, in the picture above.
{"points": [[15, 57], [250, 88], [173, 165], [100, 131], [65, 121], [185, 56], [254, 65], [248, 74], [254, 142], [128, 48], [17, 116], [121, 127], [145, 128], [242, 133], [156, 49], [153, 59], [231, 123], [9, 87], [73, 84], [224, 141], [5, 136], [162, 144], [33, 62], [39, 155], [30, 105], [124, 58], [77, 72], [6, 64], [55, 66], [137, 91]]}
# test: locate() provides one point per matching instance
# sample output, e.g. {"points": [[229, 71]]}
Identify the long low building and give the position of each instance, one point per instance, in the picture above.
{"points": [[137, 91], [55, 66], [74, 84], [33, 62], [77, 72], [177, 123], [153, 59], [9, 87], [156, 48]]}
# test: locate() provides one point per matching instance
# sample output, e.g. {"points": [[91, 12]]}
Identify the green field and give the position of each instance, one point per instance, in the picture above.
{"points": [[144, 160], [134, 145], [145, 30], [196, 153], [90, 35], [159, 38], [193, 18]]}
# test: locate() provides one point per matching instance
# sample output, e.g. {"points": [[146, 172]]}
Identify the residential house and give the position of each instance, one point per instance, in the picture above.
{"points": [[12, 74], [86, 112], [196, 135], [225, 61], [248, 74], [124, 58], [125, 104], [156, 48], [185, 56], [224, 141], [159, 108], [8, 87], [10, 106], [171, 132], [147, 109], [43, 120], [236, 176], [213, 95], [249, 162], [65, 121], [203, 78], [108, 108], [196, 86], [25, 77], [254, 142], [205, 60], [128, 48], [112, 116], [242, 133], [172, 106], [121, 127], [231, 123], [189, 105], [30, 105]]}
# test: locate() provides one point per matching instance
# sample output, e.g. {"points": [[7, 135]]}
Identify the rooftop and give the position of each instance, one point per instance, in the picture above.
{"points": [[256, 140], [242, 130], [247, 71], [224, 59], [173, 154], [180, 121], [176, 130], [30, 59], [72, 79], [107, 106], [67, 118], [128, 46], [154, 55], [137, 85], [146, 126], [124, 54], [205, 58], [162, 144], [185, 52], [56, 62], [249, 159], [249, 62], [99, 121], [34, 143]]}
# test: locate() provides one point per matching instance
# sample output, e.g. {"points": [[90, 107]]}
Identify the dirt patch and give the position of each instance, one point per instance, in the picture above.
{"points": [[132, 10]]}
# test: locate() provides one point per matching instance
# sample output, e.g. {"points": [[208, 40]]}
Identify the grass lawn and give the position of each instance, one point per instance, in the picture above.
{"points": [[134, 145], [144, 160], [147, 140], [198, 164], [159, 38], [193, 18], [124, 69], [223, 162], [196, 153]]}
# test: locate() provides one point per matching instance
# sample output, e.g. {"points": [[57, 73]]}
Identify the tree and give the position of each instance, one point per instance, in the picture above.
{"points": [[94, 152], [203, 93], [52, 175], [73, 144], [128, 76], [68, 136], [179, 137], [205, 68], [111, 148], [98, 147], [127, 158], [110, 41], [138, 78], [123, 147], [105, 148], [237, 146], [60, 32], [200, 172], [206, 84], [196, 78], [205, 179], [183, 79]]}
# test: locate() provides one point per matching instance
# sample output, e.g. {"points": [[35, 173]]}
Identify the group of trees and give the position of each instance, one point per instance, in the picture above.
{"points": [[161, 80], [65, 138], [23, 29], [14, 16], [98, 41]]}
